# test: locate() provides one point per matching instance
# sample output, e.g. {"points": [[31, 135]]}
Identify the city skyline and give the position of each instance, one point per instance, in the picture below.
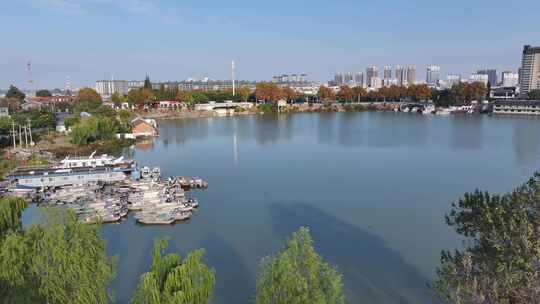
{"points": [[170, 41]]}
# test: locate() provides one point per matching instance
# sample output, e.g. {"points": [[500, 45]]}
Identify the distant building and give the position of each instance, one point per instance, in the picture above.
{"points": [[387, 73], [293, 78], [411, 74], [375, 82], [504, 93], [359, 79], [401, 75], [529, 107], [509, 79], [106, 88], [371, 72], [452, 80], [4, 108], [492, 76], [530, 70], [482, 78], [433, 75], [143, 127]]}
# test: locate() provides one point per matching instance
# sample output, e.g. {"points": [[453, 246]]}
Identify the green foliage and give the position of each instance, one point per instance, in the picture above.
{"points": [[11, 209], [172, 280], [61, 261], [266, 108], [88, 95], [165, 94], [118, 99], [298, 275], [534, 94], [199, 97], [71, 121], [43, 93], [93, 129], [15, 93], [501, 264], [94, 108]]}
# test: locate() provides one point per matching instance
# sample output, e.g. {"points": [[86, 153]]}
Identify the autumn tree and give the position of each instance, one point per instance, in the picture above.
{"points": [[243, 92], [326, 94], [298, 275], [289, 94], [419, 92], [88, 94], [358, 93], [268, 92], [172, 279], [184, 96], [345, 93]]}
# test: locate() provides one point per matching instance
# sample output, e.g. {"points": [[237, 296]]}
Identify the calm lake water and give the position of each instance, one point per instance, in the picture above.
{"points": [[372, 187]]}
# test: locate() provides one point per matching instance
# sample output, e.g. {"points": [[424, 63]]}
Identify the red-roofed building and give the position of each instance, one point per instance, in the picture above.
{"points": [[52, 100]]}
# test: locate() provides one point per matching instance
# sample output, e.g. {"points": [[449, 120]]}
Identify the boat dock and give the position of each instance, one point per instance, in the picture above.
{"points": [[109, 190]]}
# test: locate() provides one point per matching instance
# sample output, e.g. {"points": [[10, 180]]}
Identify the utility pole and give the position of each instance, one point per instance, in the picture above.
{"points": [[30, 131], [20, 136], [13, 135], [25, 137]]}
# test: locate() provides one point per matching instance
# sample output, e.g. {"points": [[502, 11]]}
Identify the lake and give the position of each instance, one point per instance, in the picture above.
{"points": [[373, 188]]}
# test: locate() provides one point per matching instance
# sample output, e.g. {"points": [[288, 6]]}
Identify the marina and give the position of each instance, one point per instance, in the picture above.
{"points": [[105, 189]]}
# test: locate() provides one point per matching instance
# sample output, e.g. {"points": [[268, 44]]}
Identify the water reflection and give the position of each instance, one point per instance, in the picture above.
{"points": [[467, 132], [526, 142], [238, 284], [373, 273]]}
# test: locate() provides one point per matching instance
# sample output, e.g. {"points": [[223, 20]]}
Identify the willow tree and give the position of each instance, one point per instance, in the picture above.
{"points": [[298, 275], [501, 263], [60, 261], [173, 280], [11, 209]]}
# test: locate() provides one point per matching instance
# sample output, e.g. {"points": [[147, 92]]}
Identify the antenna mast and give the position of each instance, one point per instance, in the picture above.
{"points": [[232, 77], [29, 75]]}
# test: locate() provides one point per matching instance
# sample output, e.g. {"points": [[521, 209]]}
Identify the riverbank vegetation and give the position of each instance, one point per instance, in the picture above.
{"points": [[501, 260], [58, 261], [173, 280], [64, 261]]}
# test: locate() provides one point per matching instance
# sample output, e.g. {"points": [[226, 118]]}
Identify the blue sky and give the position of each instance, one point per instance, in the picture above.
{"points": [[171, 40]]}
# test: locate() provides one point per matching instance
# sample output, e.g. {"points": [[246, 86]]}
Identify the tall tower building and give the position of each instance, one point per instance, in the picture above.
{"points": [[359, 79], [530, 70], [411, 75], [401, 78], [371, 72], [492, 76], [433, 75], [387, 74]]}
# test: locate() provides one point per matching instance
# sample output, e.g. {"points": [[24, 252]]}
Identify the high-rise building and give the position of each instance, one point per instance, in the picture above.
{"points": [[411, 75], [509, 79], [339, 79], [349, 78], [482, 78], [492, 76], [452, 80], [401, 75], [387, 74], [371, 72], [530, 69], [433, 75], [359, 79]]}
